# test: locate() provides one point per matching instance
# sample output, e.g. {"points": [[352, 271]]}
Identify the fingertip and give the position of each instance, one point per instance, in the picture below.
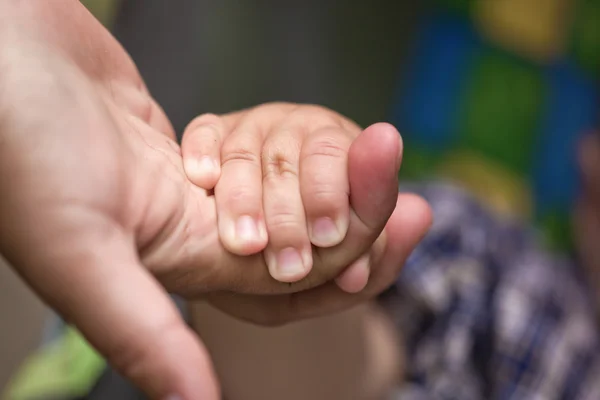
{"points": [[202, 171], [409, 222], [383, 129], [243, 236], [418, 209], [406, 227], [326, 232], [289, 264], [201, 149], [355, 278], [387, 137]]}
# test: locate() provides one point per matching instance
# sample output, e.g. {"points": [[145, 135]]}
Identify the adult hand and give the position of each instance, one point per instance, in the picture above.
{"points": [[99, 218]]}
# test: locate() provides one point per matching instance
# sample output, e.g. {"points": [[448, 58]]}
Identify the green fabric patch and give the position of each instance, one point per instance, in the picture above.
{"points": [[585, 40], [557, 231], [501, 109], [418, 162], [68, 367]]}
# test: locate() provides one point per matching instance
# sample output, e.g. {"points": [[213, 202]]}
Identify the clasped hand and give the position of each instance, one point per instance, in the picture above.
{"points": [[272, 214]]}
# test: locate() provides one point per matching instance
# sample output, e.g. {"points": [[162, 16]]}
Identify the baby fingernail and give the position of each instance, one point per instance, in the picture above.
{"points": [[246, 229], [206, 166], [325, 233], [289, 264], [201, 167]]}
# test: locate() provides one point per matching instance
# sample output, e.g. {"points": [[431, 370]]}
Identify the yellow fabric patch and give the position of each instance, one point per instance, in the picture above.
{"points": [[535, 29], [497, 187]]}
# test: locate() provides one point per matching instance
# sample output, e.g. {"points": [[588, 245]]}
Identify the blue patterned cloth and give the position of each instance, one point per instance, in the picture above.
{"points": [[487, 314]]}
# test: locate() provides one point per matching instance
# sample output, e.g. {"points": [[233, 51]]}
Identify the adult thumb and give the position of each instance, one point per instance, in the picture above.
{"points": [[94, 279]]}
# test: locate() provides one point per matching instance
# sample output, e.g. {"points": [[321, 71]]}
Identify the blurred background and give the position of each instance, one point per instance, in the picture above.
{"points": [[492, 95]]}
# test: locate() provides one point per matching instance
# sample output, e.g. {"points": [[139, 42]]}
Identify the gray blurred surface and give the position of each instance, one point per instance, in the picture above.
{"points": [[217, 56], [22, 318]]}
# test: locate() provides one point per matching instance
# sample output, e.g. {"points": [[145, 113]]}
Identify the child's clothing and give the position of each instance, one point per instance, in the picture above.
{"points": [[488, 314]]}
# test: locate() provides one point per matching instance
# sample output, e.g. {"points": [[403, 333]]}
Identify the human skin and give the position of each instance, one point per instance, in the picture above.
{"points": [[356, 354], [272, 174], [99, 218], [327, 358], [279, 172]]}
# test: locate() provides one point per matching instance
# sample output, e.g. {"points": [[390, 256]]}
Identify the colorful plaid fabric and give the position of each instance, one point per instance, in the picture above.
{"points": [[487, 314]]}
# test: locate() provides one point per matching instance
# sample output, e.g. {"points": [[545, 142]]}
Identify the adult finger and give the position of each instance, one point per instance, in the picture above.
{"points": [[406, 227], [356, 276]]}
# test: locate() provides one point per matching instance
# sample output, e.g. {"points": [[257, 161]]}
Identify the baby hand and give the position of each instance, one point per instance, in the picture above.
{"points": [[282, 180]]}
